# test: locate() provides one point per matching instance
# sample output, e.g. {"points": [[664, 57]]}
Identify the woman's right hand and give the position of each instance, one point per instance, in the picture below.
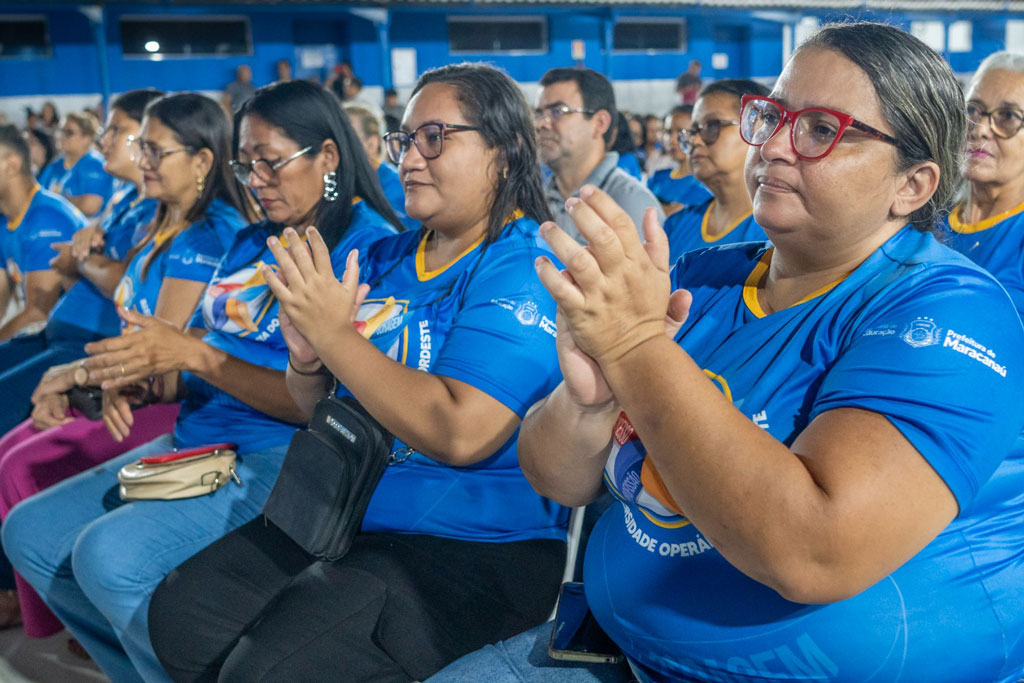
{"points": [[50, 410], [85, 240], [117, 414], [301, 352], [583, 378]]}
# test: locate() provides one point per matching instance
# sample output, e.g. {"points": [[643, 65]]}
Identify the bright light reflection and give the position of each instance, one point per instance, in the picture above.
{"points": [[152, 46]]}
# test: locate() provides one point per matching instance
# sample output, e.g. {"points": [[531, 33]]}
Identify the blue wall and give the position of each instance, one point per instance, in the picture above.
{"points": [[753, 40]]}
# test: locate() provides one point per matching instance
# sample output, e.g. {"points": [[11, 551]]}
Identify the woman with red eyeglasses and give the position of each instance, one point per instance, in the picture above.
{"points": [[988, 227], [810, 440], [716, 152]]}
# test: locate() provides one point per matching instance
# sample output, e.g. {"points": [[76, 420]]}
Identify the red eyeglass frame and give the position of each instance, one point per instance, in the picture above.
{"points": [[845, 121]]}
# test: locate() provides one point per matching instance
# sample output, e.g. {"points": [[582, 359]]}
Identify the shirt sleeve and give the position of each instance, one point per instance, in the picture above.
{"points": [[50, 227], [195, 253], [90, 179], [503, 337], [943, 361]]}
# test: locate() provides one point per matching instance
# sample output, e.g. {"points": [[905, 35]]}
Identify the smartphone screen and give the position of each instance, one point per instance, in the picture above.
{"points": [[576, 635]]}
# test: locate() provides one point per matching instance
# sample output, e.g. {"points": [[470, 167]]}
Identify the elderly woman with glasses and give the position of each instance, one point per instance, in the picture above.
{"points": [[810, 440], [302, 161], [77, 172], [988, 226], [454, 340], [715, 152]]}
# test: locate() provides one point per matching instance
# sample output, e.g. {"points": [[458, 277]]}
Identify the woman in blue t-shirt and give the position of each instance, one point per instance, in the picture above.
{"points": [[85, 312], [453, 339], [988, 226], [716, 153], [77, 173], [298, 154], [814, 468], [164, 274]]}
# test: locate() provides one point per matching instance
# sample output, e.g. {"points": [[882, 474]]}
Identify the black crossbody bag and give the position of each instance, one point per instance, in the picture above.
{"points": [[329, 474]]}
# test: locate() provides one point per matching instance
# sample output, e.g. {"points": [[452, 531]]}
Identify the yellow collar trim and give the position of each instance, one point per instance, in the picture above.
{"points": [[13, 224], [422, 274], [707, 216], [757, 278], [957, 224], [677, 173]]}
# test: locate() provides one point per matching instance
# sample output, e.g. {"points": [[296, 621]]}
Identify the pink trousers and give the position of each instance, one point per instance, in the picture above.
{"points": [[32, 460]]}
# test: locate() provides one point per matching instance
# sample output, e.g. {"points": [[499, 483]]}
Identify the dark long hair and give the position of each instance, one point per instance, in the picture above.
{"points": [[134, 102], [309, 115], [492, 102], [197, 123]]}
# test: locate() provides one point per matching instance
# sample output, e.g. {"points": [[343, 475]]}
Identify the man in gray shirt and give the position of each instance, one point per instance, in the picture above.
{"points": [[575, 119], [238, 90]]}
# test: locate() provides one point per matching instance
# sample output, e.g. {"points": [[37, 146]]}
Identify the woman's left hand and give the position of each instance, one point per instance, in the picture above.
{"points": [[153, 348], [619, 291], [317, 305]]}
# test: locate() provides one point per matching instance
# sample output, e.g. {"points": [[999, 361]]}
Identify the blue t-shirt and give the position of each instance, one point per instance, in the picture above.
{"points": [[85, 177], [240, 315], [485, 320], [686, 190], [629, 163], [193, 254], [392, 186], [995, 245], [916, 333], [84, 306], [687, 230], [25, 243]]}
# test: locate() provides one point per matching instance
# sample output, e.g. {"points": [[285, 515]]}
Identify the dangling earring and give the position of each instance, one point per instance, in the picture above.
{"points": [[331, 186], [200, 184], [504, 173]]}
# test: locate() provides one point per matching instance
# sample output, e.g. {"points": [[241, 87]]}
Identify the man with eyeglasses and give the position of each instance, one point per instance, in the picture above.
{"points": [[575, 120]]}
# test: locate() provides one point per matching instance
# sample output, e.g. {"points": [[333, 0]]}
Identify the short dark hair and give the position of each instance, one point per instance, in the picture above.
{"points": [[492, 102], [595, 89], [46, 140], [134, 102], [737, 87], [12, 139], [681, 110], [310, 115]]}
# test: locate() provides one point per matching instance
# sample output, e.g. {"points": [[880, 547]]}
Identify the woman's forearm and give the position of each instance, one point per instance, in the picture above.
{"points": [[259, 387], [444, 419], [563, 447], [103, 272]]}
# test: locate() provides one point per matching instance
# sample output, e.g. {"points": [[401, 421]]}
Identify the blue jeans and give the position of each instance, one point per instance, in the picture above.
{"points": [[524, 659], [96, 560]]}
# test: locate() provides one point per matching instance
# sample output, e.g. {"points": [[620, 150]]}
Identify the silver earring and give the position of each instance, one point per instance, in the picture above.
{"points": [[331, 186]]}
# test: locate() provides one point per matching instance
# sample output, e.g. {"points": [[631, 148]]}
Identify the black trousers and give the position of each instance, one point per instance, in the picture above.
{"points": [[256, 607]]}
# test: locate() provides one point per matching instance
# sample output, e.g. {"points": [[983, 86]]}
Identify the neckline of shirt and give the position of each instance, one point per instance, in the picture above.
{"points": [[13, 224], [958, 225], [757, 277], [707, 216]]}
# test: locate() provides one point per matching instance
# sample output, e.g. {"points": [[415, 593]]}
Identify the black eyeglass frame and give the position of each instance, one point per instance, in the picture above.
{"points": [[406, 140], [705, 131], [244, 170]]}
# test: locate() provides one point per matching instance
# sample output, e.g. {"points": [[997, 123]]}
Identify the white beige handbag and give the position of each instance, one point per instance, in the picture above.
{"points": [[179, 474]]}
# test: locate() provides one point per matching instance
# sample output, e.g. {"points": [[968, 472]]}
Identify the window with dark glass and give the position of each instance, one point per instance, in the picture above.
{"points": [[497, 34], [23, 37], [669, 34], [185, 37]]}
